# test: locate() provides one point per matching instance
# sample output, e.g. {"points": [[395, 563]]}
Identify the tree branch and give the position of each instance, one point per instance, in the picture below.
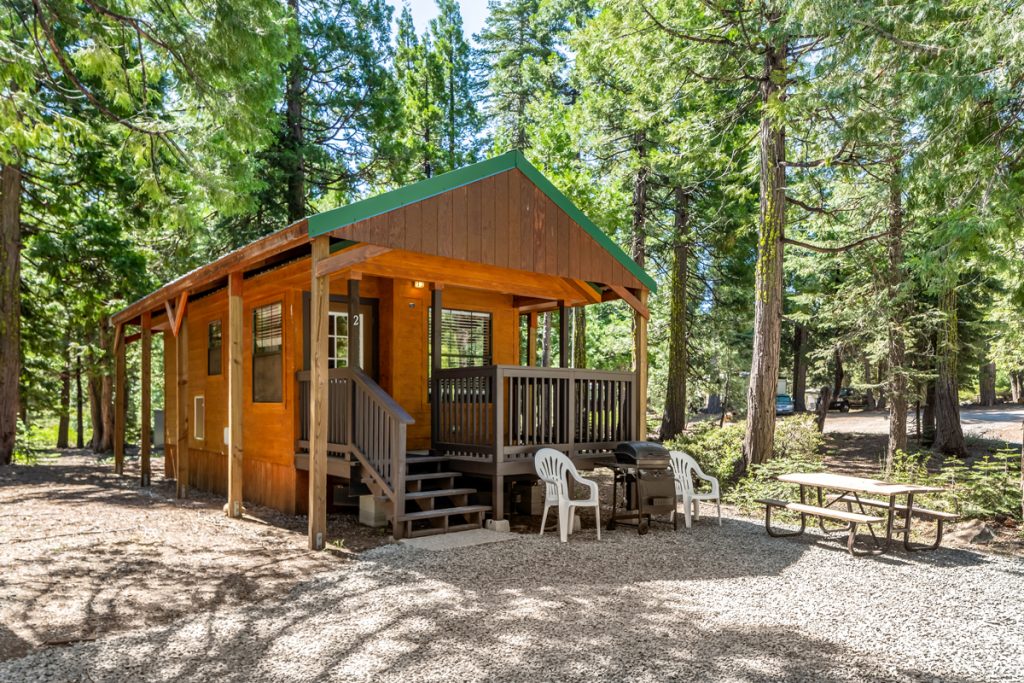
{"points": [[913, 45], [833, 250], [715, 40]]}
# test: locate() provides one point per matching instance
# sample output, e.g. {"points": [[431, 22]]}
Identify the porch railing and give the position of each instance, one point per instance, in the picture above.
{"points": [[362, 421], [504, 413]]}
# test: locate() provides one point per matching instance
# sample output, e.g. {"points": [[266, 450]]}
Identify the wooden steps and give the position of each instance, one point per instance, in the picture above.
{"points": [[430, 514], [434, 502], [425, 476], [439, 493]]}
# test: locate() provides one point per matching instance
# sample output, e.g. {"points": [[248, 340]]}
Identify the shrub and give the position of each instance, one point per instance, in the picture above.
{"points": [[988, 488], [760, 481], [798, 437], [716, 450]]}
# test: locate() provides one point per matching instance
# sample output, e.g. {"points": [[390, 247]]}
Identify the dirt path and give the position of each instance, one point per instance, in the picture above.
{"points": [[1001, 423], [86, 553]]}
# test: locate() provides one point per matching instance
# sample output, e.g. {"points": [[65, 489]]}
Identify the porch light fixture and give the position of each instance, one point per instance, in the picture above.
{"points": [[419, 284]]}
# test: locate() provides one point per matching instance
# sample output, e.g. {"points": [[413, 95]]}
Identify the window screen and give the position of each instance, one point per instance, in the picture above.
{"points": [[465, 338], [213, 348], [266, 354]]}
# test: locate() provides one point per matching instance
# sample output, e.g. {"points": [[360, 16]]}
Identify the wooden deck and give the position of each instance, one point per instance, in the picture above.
{"points": [[487, 423]]}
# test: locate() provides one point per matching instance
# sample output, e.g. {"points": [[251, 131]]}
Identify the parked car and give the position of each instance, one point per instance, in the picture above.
{"points": [[847, 398], [783, 404]]}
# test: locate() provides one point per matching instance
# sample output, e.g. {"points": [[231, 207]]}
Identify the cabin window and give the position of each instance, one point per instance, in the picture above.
{"points": [[337, 339], [465, 338], [267, 346], [213, 348], [199, 418]]}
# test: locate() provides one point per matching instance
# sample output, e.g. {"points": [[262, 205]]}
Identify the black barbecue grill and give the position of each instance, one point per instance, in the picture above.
{"points": [[644, 471]]}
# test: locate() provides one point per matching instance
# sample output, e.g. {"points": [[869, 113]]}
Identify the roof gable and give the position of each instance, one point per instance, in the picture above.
{"points": [[546, 217]]}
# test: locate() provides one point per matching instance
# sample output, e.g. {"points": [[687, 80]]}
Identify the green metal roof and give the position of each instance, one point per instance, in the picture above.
{"points": [[328, 221]]}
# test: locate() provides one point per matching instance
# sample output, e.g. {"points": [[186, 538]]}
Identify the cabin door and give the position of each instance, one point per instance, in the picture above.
{"points": [[338, 335]]}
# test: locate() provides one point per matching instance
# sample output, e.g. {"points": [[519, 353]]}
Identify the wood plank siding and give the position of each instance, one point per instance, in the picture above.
{"points": [[503, 221], [495, 237]]}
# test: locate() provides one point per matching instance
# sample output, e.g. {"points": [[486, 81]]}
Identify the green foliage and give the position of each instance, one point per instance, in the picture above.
{"points": [[990, 487], [716, 449], [35, 442]]}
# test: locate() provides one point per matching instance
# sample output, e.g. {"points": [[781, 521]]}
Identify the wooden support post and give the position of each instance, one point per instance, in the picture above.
{"points": [[319, 309], [235, 370], [120, 394], [146, 431], [640, 351], [436, 313], [563, 335], [181, 449], [531, 341], [355, 336]]}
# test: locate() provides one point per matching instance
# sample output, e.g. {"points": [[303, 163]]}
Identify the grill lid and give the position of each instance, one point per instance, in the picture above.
{"points": [[642, 453]]}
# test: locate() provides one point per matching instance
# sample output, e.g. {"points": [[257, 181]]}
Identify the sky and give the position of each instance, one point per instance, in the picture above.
{"points": [[473, 14]]}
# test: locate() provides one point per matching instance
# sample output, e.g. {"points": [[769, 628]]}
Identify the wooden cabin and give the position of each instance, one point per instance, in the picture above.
{"points": [[377, 350]]}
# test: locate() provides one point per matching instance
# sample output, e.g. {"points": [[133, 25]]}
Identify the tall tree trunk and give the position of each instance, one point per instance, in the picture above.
{"points": [[106, 391], [107, 408], [1017, 386], [824, 398], [759, 440], [987, 384], [840, 375], [949, 435], [96, 411], [896, 344], [674, 420], [579, 343], [881, 377], [638, 249], [869, 393], [928, 415], [79, 426], [64, 419], [10, 307], [638, 236], [296, 200], [799, 349]]}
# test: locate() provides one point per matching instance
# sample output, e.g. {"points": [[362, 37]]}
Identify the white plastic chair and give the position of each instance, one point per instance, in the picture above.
{"points": [[552, 467], [684, 468]]}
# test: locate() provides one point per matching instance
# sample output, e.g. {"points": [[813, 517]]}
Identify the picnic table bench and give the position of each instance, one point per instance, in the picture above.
{"points": [[850, 489], [852, 519]]}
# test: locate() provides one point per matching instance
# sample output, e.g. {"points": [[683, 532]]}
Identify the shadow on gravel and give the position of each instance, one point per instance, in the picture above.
{"points": [[537, 616]]}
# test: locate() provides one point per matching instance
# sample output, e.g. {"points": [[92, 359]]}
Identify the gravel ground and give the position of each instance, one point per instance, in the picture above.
{"points": [[711, 603], [85, 553], [1001, 423]]}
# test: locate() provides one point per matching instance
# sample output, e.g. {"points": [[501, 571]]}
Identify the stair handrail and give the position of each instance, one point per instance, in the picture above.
{"points": [[394, 489]]}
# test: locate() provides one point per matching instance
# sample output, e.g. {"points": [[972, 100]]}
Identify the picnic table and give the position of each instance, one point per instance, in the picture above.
{"points": [[855, 493]]}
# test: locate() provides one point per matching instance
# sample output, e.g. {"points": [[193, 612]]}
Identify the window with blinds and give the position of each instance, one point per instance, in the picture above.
{"points": [[214, 343], [465, 339], [267, 342]]}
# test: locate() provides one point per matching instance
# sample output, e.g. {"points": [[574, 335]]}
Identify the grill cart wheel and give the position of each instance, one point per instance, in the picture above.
{"points": [[611, 525], [642, 528]]}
